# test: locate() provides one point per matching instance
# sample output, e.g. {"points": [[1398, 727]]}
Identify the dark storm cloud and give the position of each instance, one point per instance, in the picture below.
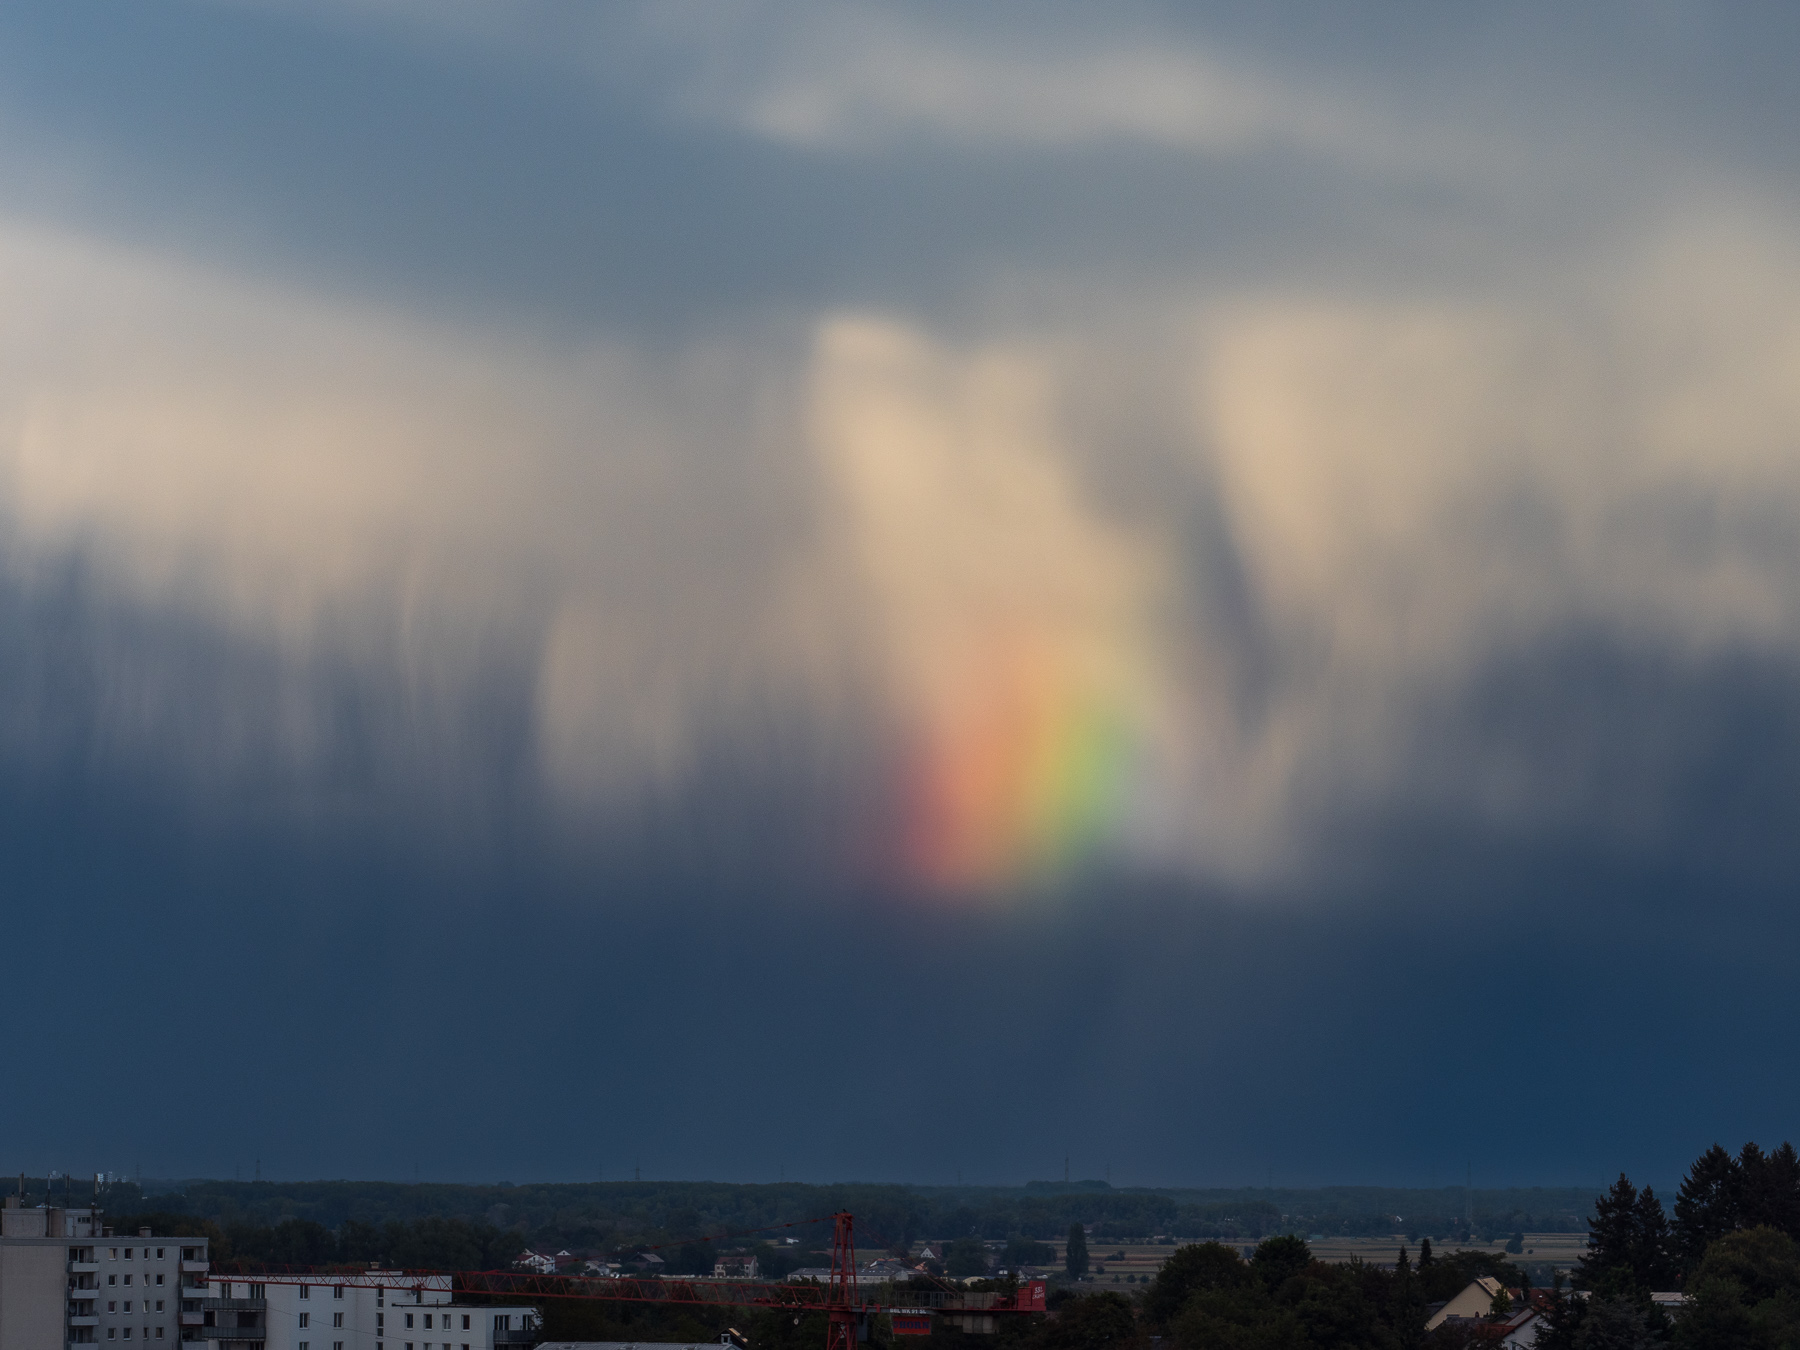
{"points": [[488, 491]]}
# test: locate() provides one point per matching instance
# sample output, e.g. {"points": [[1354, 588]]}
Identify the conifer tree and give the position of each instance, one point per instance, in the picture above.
{"points": [[1783, 1203], [1075, 1258], [1652, 1263], [1706, 1207], [1752, 1187], [1613, 1246]]}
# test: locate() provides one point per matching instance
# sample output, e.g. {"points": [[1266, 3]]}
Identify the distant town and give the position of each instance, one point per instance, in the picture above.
{"points": [[1047, 1266]]}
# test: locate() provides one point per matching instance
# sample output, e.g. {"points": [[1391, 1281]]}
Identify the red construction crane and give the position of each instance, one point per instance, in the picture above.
{"points": [[840, 1298]]}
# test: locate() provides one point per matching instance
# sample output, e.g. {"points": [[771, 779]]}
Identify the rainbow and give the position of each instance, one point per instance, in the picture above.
{"points": [[1019, 776]]}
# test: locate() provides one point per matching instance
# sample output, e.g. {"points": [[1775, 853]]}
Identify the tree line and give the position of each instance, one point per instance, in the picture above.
{"points": [[606, 1216], [1732, 1246]]}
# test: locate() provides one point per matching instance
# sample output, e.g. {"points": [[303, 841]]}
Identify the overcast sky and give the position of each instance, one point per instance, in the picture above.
{"points": [[877, 591]]}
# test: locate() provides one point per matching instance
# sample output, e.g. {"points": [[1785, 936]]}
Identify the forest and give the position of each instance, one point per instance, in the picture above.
{"points": [[1730, 1243]]}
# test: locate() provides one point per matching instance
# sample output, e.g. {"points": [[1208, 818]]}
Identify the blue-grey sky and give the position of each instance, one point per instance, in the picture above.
{"points": [[885, 591]]}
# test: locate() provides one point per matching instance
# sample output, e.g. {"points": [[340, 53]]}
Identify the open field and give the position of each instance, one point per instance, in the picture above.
{"points": [[1128, 1265]]}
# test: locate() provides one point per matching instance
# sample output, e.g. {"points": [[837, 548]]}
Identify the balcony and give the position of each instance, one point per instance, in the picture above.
{"points": [[518, 1336], [84, 1267], [193, 1319], [188, 1267], [86, 1319]]}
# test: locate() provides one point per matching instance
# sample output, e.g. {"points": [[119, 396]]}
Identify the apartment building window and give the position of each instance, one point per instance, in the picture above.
{"points": [[337, 1345], [465, 1321], [112, 1279], [111, 1332], [127, 1305], [409, 1323], [428, 1321], [337, 1319], [159, 1279], [381, 1296], [159, 1333], [338, 1292], [305, 1291], [304, 1346], [128, 1279], [127, 1335], [112, 1253], [159, 1304], [305, 1319], [128, 1253]]}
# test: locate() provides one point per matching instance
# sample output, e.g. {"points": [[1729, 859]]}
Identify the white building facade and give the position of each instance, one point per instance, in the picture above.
{"points": [[67, 1279], [373, 1310]]}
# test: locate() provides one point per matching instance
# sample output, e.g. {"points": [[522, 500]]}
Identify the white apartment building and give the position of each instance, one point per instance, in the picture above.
{"points": [[372, 1310], [65, 1278]]}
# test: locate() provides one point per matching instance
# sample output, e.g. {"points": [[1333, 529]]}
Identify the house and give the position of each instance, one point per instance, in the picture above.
{"points": [[1518, 1330], [1475, 1301], [538, 1263], [737, 1268]]}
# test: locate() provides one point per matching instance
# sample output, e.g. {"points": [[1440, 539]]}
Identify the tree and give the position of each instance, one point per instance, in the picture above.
{"points": [[1279, 1259], [1091, 1322], [1706, 1206], [1628, 1242], [1516, 1244], [1652, 1262], [1782, 1203], [1616, 1324], [1194, 1268], [1075, 1257], [965, 1257], [1745, 1294]]}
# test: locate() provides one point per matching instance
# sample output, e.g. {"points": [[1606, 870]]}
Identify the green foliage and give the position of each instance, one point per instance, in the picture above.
{"points": [[1516, 1244], [1279, 1259], [1201, 1267], [965, 1257], [617, 1214], [1075, 1255], [1091, 1322], [1722, 1194], [1629, 1243], [1745, 1292], [425, 1244], [1617, 1324]]}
